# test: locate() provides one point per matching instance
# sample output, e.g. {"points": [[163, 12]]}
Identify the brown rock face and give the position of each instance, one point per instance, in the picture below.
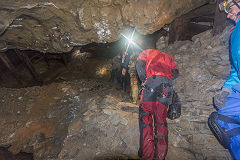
{"points": [[58, 26]]}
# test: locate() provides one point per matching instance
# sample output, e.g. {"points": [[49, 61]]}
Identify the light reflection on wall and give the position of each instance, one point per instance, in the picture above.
{"points": [[102, 71]]}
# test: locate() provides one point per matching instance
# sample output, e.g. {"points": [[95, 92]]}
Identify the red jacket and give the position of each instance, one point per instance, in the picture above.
{"points": [[154, 62]]}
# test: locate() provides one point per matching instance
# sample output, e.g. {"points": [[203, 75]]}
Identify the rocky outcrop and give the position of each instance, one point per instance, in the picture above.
{"points": [[204, 66], [58, 26], [106, 130]]}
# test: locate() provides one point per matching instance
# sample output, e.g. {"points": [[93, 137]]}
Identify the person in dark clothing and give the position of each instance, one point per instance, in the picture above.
{"points": [[156, 70], [126, 60], [124, 70], [116, 69]]}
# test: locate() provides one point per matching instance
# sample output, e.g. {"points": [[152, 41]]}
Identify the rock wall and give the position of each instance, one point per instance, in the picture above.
{"points": [[58, 26], [204, 66]]}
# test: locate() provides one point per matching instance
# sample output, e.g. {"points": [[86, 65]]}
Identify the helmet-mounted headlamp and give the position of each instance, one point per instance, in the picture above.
{"points": [[226, 6]]}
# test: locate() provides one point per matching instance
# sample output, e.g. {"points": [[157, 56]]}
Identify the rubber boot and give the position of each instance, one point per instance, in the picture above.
{"points": [[123, 83], [112, 75]]}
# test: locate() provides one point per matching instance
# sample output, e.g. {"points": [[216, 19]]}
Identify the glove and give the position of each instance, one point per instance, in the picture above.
{"points": [[174, 110], [220, 98]]}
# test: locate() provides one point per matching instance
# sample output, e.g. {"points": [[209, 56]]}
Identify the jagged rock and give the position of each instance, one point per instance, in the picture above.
{"points": [[57, 26], [110, 131], [203, 70]]}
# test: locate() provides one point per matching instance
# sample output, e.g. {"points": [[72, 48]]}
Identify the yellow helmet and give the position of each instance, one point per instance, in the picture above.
{"points": [[225, 6]]}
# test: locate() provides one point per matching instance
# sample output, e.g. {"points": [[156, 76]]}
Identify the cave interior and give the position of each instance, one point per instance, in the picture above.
{"points": [[26, 68], [22, 68]]}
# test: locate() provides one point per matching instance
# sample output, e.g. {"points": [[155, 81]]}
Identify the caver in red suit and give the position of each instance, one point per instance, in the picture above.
{"points": [[157, 71]]}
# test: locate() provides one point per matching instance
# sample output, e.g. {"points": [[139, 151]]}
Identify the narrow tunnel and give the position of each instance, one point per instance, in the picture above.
{"points": [[58, 99]]}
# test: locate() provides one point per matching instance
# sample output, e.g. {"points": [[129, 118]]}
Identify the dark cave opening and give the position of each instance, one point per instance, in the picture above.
{"points": [[21, 68], [6, 155]]}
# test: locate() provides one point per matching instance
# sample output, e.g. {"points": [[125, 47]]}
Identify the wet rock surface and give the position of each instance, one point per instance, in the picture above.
{"points": [[58, 26], [91, 119]]}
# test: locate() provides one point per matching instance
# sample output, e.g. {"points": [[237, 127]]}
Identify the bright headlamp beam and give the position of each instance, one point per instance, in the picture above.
{"points": [[129, 39]]}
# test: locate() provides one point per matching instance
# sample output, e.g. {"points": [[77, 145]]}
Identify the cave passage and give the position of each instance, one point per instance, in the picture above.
{"points": [[22, 68], [69, 95]]}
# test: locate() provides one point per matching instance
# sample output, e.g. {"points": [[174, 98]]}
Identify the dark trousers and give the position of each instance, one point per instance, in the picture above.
{"points": [[155, 98]]}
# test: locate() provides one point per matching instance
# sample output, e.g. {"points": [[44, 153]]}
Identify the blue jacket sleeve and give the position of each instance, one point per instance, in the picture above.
{"points": [[234, 76]]}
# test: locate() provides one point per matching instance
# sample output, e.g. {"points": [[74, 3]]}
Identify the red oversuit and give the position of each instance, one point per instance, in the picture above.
{"points": [[156, 69]]}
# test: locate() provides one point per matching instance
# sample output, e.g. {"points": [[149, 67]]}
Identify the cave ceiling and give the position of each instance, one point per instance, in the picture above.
{"points": [[58, 26]]}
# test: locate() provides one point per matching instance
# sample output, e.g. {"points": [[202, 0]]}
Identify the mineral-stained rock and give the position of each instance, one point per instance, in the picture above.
{"points": [[57, 26]]}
